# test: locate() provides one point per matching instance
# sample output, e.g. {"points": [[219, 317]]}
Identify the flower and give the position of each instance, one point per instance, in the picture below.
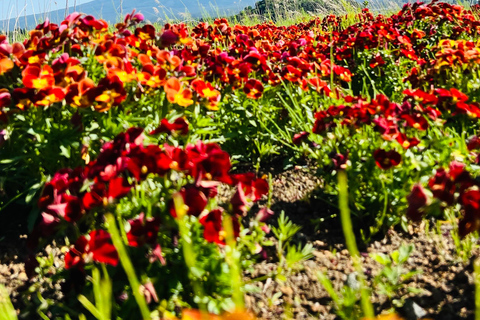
{"points": [[253, 89], [179, 125], [386, 159], [417, 199], [96, 246]]}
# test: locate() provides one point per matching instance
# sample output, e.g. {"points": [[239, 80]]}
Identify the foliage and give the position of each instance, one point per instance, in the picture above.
{"points": [[141, 124]]}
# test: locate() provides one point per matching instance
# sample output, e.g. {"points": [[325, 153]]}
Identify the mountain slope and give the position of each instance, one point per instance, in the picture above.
{"points": [[153, 10]]}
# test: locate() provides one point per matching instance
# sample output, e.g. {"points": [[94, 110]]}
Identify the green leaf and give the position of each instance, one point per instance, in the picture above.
{"points": [[32, 192], [405, 251], [7, 312], [394, 256], [281, 277], [65, 151], [197, 272], [381, 258]]}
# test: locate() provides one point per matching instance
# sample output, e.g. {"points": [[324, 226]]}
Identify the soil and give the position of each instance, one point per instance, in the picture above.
{"points": [[445, 282]]}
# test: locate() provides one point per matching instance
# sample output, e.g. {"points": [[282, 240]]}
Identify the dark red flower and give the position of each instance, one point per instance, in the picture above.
{"points": [[470, 221], [339, 161], [386, 159], [442, 186], [193, 198], [143, 230], [417, 199], [209, 162], [168, 38], [75, 257], [298, 138], [253, 89], [179, 125], [473, 143]]}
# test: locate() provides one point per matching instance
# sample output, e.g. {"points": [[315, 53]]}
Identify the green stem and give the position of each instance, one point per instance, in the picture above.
{"points": [[232, 260], [127, 266], [352, 244], [187, 246]]}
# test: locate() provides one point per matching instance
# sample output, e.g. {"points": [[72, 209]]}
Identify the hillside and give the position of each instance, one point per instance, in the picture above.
{"points": [[153, 10]]}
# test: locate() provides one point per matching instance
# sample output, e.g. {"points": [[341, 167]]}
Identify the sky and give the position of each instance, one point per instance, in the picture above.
{"points": [[18, 8]]}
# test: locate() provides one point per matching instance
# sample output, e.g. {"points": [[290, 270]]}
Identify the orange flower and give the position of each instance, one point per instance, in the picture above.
{"points": [[106, 100], [164, 56], [5, 65], [206, 90], [175, 93], [49, 96], [35, 77], [172, 87], [184, 98], [109, 92], [77, 93]]}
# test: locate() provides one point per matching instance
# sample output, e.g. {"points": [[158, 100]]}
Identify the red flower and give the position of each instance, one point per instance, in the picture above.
{"points": [[209, 162], [253, 187], [417, 199], [298, 138], [142, 161], [194, 199], [75, 257], [253, 89], [213, 228], [406, 142], [179, 125], [442, 186], [118, 188], [101, 248], [386, 159], [97, 247], [416, 121], [471, 217], [142, 231]]}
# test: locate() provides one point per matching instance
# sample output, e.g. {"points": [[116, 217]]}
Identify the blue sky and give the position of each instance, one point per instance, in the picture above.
{"points": [[14, 8]]}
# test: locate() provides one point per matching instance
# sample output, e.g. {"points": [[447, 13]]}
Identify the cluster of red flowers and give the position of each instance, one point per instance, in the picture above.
{"points": [[388, 118], [187, 64], [74, 195], [146, 59], [449, 187]]}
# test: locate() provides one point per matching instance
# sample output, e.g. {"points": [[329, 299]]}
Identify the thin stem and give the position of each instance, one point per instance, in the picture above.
{"points": [[352, 244], [232, 260], [127, 265], [187, 245]]}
